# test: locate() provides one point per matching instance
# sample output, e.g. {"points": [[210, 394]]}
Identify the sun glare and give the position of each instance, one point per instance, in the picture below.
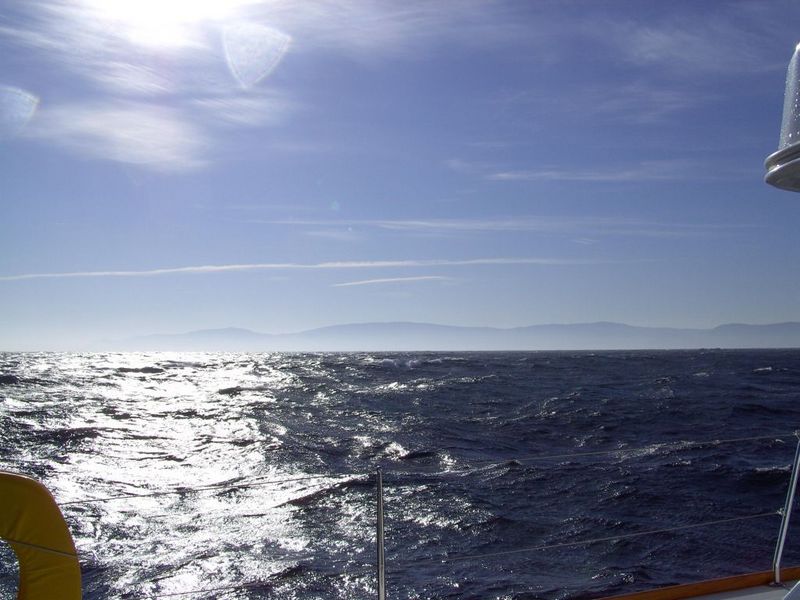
{"points": [[161, 23]]}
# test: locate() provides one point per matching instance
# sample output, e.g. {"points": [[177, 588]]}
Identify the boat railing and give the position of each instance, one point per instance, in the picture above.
{"points": [[379, 569], [786, 514]]}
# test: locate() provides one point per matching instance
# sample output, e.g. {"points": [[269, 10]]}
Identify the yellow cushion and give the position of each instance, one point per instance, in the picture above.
{"points": [[34, 527]]}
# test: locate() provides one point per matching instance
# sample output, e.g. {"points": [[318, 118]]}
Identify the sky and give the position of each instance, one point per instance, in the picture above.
{"points": [[173, 165]]}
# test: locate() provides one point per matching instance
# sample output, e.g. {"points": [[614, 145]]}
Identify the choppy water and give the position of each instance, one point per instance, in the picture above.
{"points": [[455, 435]]}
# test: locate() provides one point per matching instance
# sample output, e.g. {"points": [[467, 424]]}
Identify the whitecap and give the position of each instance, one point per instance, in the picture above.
{"points": [[395, 450]]}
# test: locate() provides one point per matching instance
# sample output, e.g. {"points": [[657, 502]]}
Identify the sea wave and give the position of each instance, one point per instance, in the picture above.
{"points": [[181, 472]]}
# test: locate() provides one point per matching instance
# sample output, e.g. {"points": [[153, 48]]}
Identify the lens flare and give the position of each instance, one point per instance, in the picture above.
{"points": [[17, 108], [253, 51]]}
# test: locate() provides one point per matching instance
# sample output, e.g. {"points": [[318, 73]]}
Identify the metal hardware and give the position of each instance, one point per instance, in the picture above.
{"points": [[381, 563], [786, 514]]}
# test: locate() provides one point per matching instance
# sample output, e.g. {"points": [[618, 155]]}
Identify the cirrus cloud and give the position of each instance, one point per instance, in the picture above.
{"points": [[354, 264], [393, 280], [139, 134]]}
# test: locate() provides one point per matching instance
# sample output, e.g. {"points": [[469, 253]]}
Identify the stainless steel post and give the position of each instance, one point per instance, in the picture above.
{"points": [[381, 565], [787, 513]]}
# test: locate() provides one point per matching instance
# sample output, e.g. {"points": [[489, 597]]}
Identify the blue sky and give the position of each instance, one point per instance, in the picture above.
{"points": [[174, 165]]}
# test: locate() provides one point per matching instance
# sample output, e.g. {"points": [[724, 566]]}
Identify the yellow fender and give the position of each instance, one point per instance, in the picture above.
{"points": [[32, 524]]}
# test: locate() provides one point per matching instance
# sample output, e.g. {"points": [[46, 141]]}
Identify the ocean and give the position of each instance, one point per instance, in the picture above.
{"points": [[236, 476]]}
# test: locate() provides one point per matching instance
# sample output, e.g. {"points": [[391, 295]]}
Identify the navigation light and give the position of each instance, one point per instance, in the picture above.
{"points": [[783, 166]]}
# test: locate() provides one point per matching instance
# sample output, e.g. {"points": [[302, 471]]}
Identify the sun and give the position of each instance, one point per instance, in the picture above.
{"points": [[160, 23]]}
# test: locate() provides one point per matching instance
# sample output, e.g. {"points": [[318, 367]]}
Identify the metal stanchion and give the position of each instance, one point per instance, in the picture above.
{"points": [[787, 513], [381, 564]]}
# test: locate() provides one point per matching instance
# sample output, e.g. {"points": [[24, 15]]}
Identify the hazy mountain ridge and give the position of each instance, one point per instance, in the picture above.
{"points": [[425, 336]]}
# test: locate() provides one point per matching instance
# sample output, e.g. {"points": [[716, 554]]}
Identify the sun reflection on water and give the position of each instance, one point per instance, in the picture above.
{"points": [[133, 425]]}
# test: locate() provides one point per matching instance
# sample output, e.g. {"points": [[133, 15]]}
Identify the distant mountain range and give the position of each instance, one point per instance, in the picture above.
{"points": [[425, 336]]}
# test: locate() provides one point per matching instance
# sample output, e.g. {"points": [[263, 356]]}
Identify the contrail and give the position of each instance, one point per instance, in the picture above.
{"points": [[393, 280], [365, 264]]}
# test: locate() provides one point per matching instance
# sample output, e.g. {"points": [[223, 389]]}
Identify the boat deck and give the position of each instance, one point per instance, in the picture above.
{"points": [[761, 592], [752, 586]]}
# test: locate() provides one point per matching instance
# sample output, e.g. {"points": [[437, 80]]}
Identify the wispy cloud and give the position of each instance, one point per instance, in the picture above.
{"points": [[105, 52], [643, 103], [637, 102], [394, 280], [134, 79], [266, 108], [664, 169], [369, 29], [166, 54], [133, 133], [727, 44], [161, 80], [336, 235], [88, 36], [469, 167], [724, 39], [654, 170], [572, 226], [366, 264]]}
